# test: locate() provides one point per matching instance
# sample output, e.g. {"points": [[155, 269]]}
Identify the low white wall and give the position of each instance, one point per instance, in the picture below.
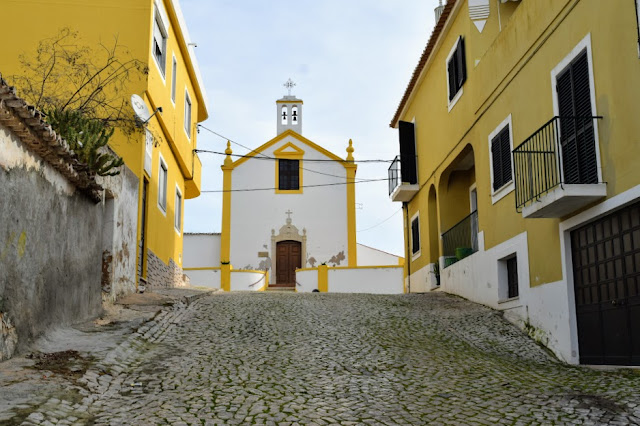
{"points": [[374, 280], [369, 256], [307, 281], [201, 250], [422, 280], [204, 278], [247, 280], [541, 310]]}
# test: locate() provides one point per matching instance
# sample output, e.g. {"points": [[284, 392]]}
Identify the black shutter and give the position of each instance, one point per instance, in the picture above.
{"points": [[451, 69], [497, 164], [501, 157], [288, 174], [407, 152], [579, 162], [415, 235], [505, 153], [462, 65]]}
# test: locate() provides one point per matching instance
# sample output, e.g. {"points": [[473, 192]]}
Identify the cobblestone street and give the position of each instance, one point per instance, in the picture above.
{"points": [[336, 359]]}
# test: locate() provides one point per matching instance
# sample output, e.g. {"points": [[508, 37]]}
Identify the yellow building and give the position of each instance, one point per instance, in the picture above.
{"points": [[161, 157], [519, 169]]}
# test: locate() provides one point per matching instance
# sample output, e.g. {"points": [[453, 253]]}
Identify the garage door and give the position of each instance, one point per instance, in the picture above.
{"points": [[606, 271]]}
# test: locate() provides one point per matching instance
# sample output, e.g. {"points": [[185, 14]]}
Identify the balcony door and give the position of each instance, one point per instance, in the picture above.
{"points": [[577, 137]]}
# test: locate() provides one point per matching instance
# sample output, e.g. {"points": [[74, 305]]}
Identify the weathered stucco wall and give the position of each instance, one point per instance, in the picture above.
{"points": [[50, 246], [119, 234]]}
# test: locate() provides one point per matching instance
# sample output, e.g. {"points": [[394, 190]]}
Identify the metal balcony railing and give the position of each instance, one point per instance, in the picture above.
{"points": [[395, 178], [462, 239], [562, 151]]}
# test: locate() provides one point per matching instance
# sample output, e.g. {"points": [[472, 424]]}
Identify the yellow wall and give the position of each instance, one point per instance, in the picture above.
{"points": [[513, 76], [131, 21]]}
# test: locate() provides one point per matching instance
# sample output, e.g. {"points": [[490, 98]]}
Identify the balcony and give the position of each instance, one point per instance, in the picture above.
{"points": [[461, 240], [398, 190], [556, 168]]}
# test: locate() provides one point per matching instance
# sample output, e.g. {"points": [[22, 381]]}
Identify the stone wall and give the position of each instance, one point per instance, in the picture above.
{"points": [[161, 275], [50, 228], [50, 246]]}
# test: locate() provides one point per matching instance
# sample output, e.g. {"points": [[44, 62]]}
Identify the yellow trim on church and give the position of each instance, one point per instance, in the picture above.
{"points": [[280, 137]]}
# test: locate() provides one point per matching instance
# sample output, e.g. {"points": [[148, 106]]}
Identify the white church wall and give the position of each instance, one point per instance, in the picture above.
{"points": [[369, 256], [248, 280], [209, 278], [307, 280], [201, 250], [374, 280], [322, 211]]}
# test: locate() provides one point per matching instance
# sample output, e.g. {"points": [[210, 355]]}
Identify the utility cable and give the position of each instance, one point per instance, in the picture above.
{"points": [[380, 223], [304, 186]]}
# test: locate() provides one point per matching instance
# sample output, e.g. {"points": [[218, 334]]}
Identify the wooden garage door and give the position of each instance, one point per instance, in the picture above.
{"points": [[606, 271]]}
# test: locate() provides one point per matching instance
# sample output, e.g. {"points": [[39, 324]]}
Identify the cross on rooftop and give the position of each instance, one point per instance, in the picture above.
{"points": [[289, 85]]}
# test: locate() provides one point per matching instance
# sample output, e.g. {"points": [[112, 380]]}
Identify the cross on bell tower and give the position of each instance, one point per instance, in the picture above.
{"points": [[289, 110]]}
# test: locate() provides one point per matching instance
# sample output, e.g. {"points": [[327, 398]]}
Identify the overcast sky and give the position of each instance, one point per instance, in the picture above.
{"points": [[351, 61]]}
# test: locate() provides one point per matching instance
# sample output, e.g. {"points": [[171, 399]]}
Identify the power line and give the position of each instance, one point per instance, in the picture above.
{"points": [[304, 186], [378, 224]]}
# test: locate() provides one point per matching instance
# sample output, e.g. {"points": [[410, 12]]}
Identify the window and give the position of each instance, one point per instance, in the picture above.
{"points": [[160, 42], [577, 137], [512, 277], [174, 70], [501, 158], [187, 114], [456, 70], [288, 174], [415, 235], [178, 209], [162, 185]]}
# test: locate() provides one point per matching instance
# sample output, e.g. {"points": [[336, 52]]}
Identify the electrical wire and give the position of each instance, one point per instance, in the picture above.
{"points": [[267, 157], [380, 223], [304, 186], [315, 160]]}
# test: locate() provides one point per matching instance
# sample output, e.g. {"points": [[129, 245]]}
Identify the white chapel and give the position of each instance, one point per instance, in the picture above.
{"points": [[287, 206]]}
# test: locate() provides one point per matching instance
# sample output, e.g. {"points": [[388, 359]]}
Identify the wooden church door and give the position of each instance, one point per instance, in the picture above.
{"points": [[289, 257]]}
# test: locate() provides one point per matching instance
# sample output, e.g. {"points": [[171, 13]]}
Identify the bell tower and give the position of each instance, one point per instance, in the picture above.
{"points": [[289, 111]]}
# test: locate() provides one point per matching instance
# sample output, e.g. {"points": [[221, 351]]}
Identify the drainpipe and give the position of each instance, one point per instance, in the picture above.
{"points": [[405, 206]]}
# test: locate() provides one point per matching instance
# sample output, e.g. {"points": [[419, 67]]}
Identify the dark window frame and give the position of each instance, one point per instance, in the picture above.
{"points": [[288, 175], [415, 235], [512, 277], [457, 69], [501, 161]]}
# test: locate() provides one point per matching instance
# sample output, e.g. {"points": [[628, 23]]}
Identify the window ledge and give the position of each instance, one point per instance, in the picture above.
{"points": [[511, 299], [502, 192], [416, 255], [455, 99]]}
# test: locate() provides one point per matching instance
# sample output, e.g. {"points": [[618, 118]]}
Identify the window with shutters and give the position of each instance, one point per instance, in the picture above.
{"points": [[456, 71], [288, 175], [500, 148], [415, 236], [577, 135], [187, 113], [177, 220], [159, 44]]}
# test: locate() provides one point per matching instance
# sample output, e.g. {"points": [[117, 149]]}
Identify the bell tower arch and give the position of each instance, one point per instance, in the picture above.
{"points": [[289, 110]]}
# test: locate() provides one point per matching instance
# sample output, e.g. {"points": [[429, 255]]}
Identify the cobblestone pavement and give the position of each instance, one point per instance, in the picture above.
{"points": [[338, 359]]}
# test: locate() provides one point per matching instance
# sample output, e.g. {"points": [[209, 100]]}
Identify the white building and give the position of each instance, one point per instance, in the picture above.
{"points": [[288, 208]]}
